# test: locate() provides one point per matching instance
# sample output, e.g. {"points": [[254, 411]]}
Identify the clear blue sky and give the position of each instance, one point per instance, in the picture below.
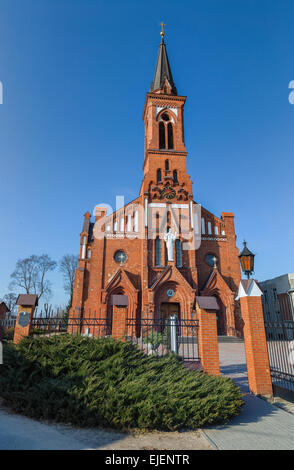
{"points": [[75, 74]]}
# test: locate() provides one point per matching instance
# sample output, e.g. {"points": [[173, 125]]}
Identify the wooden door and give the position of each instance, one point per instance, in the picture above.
{"points": [[169, 309]]}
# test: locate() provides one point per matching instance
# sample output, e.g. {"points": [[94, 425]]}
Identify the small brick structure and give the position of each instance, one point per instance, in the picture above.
{"points": [[26, 307], [206, 308], [258, 368]]}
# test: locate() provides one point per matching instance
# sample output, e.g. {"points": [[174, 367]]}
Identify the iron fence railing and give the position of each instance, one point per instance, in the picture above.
{"points": [[8, 323], [280, 345], [157, 336]]}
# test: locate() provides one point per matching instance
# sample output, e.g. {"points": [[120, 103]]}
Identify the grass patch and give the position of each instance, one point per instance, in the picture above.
{"points": [[104, 382]]}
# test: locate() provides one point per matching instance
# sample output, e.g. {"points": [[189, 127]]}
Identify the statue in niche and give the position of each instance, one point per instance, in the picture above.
{"points": [[169, 239]]}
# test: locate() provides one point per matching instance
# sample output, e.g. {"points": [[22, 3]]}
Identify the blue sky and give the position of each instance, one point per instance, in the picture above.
{"points": [[75, 74]]}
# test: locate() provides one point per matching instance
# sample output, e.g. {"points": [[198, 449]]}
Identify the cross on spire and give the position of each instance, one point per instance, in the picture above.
{"points": [[162, 29]]}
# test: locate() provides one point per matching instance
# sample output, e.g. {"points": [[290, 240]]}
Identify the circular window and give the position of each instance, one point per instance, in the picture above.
{"points": [[170, 292], [211, 259], [120, 256]]}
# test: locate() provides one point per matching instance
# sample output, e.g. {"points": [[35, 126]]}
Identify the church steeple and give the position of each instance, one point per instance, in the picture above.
{"points": [[163, 72], [165, 171]]}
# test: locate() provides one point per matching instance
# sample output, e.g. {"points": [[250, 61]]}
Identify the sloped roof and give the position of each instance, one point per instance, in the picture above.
{"points": [[29, 300], [249, 288], [3, 304], [207, 302]]}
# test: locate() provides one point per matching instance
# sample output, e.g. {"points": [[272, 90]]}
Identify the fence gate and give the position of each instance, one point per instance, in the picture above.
{"points": [[280, 345], [161, 336]]}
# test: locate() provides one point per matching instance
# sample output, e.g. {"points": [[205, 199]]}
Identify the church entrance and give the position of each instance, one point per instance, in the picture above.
{"points": [[168, 309]]}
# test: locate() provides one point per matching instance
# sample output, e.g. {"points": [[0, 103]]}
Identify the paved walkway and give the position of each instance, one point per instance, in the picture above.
{"points": [[260, 426], [21, 433]]}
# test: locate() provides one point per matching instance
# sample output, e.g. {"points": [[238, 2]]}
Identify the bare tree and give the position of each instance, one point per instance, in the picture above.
{"points": [[30, 275], [68, 265], [10, 301]]}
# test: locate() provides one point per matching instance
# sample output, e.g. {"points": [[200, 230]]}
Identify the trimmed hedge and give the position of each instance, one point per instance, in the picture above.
{"points": [[105, 382]]}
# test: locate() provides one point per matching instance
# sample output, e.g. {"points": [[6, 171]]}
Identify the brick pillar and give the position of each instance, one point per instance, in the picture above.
{"points": [[26, 307], [258, 368], [119, 315], [207, 341]]}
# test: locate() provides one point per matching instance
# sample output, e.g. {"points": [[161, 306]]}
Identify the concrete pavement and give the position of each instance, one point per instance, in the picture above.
{"points": [[22, 433], [260, 426]]}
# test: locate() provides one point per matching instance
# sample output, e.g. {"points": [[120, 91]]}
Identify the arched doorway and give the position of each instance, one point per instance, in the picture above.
{"points": [[171, 298]]}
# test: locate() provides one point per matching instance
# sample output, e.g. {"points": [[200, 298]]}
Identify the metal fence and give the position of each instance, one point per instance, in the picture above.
{"points": [[280, 345], [8, 322], [154, 336]]}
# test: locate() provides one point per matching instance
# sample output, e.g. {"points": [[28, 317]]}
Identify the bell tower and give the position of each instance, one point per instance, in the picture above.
{"points": [[165, 171]]}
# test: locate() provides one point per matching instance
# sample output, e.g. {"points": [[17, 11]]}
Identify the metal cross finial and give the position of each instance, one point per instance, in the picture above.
{"points": [[162, 30]]}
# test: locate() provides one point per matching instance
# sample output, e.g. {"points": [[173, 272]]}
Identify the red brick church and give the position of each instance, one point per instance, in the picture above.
{"points": [[153, 256]]}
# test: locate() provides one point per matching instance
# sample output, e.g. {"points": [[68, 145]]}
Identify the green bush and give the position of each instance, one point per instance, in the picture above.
{"points": [[155, 339], [92, 382], [38, 331], [9, 333]]}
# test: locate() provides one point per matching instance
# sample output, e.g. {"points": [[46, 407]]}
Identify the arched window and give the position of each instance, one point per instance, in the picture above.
{"points": [[161, 136], [166, 165], [175, 174], [178, 253], [157, 252], [202, 225], [129, 223], [136, 221], [83, 254], [170, 137], [209, 228], [158, 176]]}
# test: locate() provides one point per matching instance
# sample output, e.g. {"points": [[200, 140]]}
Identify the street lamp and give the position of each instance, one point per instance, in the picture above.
{"points": [[247, 261]]}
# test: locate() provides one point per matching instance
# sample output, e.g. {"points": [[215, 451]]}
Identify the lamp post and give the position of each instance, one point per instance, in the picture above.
{"points": [[247, 261]]}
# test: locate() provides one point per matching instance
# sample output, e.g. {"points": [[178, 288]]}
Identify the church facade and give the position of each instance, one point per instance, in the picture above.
{"points": [[153, 256]]}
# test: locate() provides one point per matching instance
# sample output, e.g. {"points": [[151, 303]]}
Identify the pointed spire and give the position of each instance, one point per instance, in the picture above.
{"points": [[162, 71]]}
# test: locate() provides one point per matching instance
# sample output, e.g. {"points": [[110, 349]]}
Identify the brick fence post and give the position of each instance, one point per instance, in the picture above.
{"points": [[258, 368], [207, 341], [26, 307], [119, 316]]}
